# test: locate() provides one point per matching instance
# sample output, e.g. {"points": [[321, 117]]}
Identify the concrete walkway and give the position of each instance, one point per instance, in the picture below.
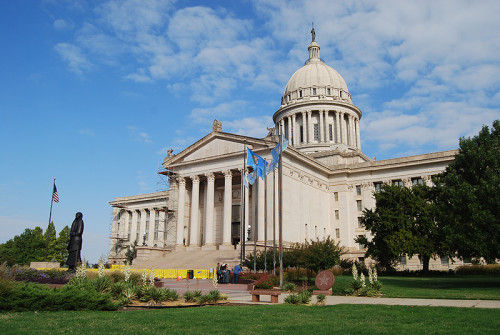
{"points": [[238, 293]]}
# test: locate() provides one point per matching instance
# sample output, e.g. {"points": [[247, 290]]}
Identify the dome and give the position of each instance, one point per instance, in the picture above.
{"points": [[315, 79]]}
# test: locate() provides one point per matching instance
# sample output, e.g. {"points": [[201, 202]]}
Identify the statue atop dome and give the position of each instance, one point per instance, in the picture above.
{"points": [[313, 34]]}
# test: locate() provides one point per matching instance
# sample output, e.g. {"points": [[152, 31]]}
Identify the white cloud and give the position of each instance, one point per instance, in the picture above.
{"points": [[86, 132], [61, 24], [73, 56], [250, 126], [139, 136]]}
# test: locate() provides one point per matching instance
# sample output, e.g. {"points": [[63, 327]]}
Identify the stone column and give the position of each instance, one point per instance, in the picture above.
{"points": [[143, 227], [358, 137], [353, 131], [304, 127], [180, 211], [133, 231], [294, 135], [343, 129], [337, 127], [209, 229], [152, 224], [310, 131], [194, 237], [228, 190], [289, 121], [321, 127], [260, 215]]}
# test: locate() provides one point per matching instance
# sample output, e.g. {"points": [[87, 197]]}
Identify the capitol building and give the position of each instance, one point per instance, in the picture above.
{"points": [[327, 182]]}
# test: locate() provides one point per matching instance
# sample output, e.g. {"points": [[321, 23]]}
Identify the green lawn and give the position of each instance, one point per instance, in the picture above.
{"points": [[438, 287], [277, 319]]}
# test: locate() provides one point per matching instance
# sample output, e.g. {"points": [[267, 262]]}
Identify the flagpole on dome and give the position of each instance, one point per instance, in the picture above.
{"points": [[55, 196]]}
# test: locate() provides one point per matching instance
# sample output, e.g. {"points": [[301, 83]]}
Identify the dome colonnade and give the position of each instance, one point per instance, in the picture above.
{"points": [[316, 112]]}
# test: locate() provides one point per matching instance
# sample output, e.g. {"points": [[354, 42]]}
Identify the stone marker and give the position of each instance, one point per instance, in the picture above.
{"points": [[324, 282]]}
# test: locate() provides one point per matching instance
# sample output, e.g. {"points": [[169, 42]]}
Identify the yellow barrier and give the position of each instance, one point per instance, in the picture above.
{"points": [[159, 273]]}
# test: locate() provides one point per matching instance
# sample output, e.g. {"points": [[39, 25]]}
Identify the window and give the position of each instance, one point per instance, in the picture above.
{"points": [[330, 132], [316, 132], [398, 182], [358, 189], [378, 187], [359, 205], [314, 91], [146, 229], [336, 196], [337, 214], [445, 260], [328, 91], [417, 181], [286, 131], [337, 232], [118, 227], [300, 94], [157, 225], [359, 222], [301, 134], [306, 231], [402, 260]]}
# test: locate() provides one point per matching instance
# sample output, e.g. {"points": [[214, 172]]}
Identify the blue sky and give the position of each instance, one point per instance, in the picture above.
{"points": [[94, 93]]}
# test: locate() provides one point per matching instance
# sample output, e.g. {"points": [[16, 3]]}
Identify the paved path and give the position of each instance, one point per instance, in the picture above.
{"points": [[238, 293]]}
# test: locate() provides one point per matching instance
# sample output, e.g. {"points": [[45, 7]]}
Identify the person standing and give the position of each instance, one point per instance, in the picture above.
{"points": [[236, 273], [75, 242]]}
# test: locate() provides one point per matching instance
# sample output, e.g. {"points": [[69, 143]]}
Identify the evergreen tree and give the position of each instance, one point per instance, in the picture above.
{"points": [[50, 241], [469, 199], [61, 253]]}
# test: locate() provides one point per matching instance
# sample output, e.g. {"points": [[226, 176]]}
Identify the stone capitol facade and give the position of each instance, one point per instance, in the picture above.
{"points": [[327, 180]]}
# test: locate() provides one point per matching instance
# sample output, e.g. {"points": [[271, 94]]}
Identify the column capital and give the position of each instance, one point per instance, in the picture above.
{"points": [[227, 174], [309, 113], [195, 179], [181, 180], [210, 176]]}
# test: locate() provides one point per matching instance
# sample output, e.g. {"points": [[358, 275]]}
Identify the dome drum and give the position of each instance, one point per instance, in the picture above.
{"points": [[314, 94]]}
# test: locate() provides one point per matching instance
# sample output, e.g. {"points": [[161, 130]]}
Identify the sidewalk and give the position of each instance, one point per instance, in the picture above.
{"points": [[238, 293]]}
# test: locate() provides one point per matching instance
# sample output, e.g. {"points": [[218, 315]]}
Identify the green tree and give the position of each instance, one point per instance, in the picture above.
{"points": [[469, 197], [403, 223], [61, 244], [50, 241], [321, 254], [29, 246]]}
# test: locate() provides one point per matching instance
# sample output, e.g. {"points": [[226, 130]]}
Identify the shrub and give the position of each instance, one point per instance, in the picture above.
{"points": [[116, 289], [305, 297], [320, 299], [170, 295], [116, 276], [289, 287], [33, 297], [267, 282], [293, 299], [490, 269], [102, 284], [188, 296]]}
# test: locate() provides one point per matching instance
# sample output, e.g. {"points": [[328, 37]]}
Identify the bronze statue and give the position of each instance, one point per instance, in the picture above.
{"points": [[75, 242], [313, 33]]}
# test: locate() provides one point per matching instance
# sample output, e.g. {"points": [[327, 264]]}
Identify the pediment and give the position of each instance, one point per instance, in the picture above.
{"points": [[214, 146]]}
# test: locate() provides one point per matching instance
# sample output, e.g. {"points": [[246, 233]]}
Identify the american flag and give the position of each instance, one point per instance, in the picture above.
{"points": [[55, 196]]}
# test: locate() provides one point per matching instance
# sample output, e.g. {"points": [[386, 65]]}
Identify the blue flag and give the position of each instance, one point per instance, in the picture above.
{"points": [[256, 162], [277, 150]]}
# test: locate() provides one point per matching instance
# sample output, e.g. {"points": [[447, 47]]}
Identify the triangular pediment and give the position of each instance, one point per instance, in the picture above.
{"points": [[216, 145]]}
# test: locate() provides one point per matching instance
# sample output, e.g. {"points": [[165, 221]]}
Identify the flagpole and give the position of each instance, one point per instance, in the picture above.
{"points": [[242, 211], [265, 216], [50, 219], [274, 221], [280, 207], [256, 220]]}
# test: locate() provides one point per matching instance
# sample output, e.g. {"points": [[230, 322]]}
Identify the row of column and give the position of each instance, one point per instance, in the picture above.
{"points": [[344, 130], [193, 224], [132, 224]]}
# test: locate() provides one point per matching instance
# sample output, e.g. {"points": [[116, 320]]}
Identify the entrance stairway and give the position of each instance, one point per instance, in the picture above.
{"points": [[186, 258]]}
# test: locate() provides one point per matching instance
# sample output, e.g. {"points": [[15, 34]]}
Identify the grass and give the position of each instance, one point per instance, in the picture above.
{"points": [[438, 287], [278, 319]]}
